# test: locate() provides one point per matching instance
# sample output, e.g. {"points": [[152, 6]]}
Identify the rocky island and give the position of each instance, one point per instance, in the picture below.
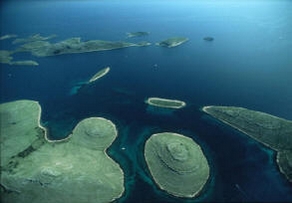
{"points": [[165, 103], [271, 131], [36, 169], [177, 164], [172, 42], [136, 34]]}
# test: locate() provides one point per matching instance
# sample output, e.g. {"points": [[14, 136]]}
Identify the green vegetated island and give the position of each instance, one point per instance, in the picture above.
{"points": [[172, 42], [272, 131], [74, 45], [177, 164], [76, 169], [165, 103], [39, 46]]}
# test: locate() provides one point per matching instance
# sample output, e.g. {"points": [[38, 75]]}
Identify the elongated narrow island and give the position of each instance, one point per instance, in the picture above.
{"points": [[80, 85], [99, 74], [8, 36], [165, 103], [177, 164], [76, 169], [24, 63], [272, 131]]}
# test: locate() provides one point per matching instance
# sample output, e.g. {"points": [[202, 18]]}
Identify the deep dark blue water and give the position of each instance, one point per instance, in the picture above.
{"points": [[249, 64]]}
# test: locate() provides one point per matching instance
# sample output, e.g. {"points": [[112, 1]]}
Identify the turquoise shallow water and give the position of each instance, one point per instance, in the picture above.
{"points": [[248, 64]]}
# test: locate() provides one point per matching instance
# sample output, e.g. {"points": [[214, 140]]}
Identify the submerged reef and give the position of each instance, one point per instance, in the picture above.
{"points": [[177, 164], [172, 42], [165, 103], [76, 169], [209, 39], [272, 131]]}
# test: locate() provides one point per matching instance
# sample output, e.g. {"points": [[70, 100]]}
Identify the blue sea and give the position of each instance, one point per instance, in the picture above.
{"points": [[248, 64]]}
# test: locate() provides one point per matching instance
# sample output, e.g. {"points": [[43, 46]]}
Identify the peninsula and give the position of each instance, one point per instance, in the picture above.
{"points": [[36, 169], [271, 131], [177, 164], [7, 58]]}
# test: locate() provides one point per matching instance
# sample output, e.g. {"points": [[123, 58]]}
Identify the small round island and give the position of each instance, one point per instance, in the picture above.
{"points": [[177, 164]]}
